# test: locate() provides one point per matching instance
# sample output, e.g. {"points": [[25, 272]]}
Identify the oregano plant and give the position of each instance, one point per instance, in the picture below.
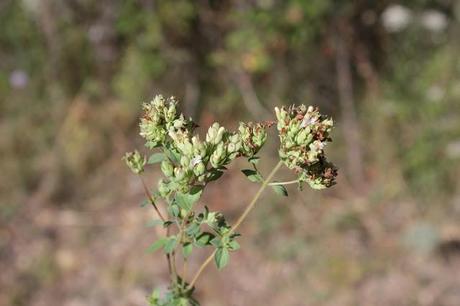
{"points": [[189, 164]]}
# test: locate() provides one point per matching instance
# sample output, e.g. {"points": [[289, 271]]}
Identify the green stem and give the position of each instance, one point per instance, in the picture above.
{"points": [[243, 216], [150, 197], [283, 183]]}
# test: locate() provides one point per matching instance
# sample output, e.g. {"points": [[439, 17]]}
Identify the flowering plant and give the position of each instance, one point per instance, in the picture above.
{"points": [[189, 164]]}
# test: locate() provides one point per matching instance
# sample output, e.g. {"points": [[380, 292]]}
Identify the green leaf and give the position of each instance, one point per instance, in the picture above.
{"points": [[252, 175], [174, 156], [253, 160], [280, 190], [193, 229], [170, 244], [153, 223], [215, 175], [186, 200], [187, 249], [216, 242], [156, 158], [221, 258], [156, 245], [204, 239], [174, 210], [233, 245]]}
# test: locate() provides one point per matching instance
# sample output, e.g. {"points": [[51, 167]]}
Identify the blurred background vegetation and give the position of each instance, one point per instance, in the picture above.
{"points": [[73, 74]]}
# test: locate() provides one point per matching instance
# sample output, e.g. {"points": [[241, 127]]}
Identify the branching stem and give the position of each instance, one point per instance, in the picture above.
{"points": [[150, 197], [243, 216]]}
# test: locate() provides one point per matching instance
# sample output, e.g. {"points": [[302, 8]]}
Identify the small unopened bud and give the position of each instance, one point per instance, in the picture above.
{"points": [[179, 173], [135, 161], [199, 169], [163, 189], [218, 156], [215, 133], [185, 161]]}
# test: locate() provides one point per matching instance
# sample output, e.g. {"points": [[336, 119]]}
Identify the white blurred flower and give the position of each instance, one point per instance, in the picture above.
{"points": [[396, 18], [434, 21]]}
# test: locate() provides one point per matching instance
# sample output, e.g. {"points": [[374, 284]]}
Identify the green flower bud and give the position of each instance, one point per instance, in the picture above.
{"points": [[185, 161], [152, 133], [199, 169], [163, 188], [218, 156], [170, 113], [220, 134], [167, 167], [179, 173], [212, 132], [215, 133], [199, 147], [301, 137], [253, 137], [158, 102], [135, 161]]}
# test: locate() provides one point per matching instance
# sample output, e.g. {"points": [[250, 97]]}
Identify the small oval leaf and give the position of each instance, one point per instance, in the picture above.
{"points": [[187, 249], [170, 244], [252, 175], [221, 258], [156, 158], [156, 245], [280, 190]]}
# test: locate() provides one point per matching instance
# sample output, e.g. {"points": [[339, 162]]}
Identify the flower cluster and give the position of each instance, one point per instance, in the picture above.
{"points": [[135, 161], [253, 136], [304, 133], [160, 118], [190, 161]]}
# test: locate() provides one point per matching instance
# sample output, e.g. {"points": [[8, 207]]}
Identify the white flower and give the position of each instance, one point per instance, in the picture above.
{"points": [[434, 21], [196, 160], [307, 120], [396, 18]]}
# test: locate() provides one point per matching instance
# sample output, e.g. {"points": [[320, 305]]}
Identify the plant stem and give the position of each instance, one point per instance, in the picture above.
{"points": [[243, 216], [283, 183], [184, 269], [256, 197], [150, 197], [168, 257], [173, 265], [180, 236], [202, 267]]}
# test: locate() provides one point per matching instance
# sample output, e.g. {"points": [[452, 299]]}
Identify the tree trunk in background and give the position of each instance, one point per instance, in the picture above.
{"points": [[251, 101], [192, 94], [351, 130], [48, 26], [103, 38]]}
